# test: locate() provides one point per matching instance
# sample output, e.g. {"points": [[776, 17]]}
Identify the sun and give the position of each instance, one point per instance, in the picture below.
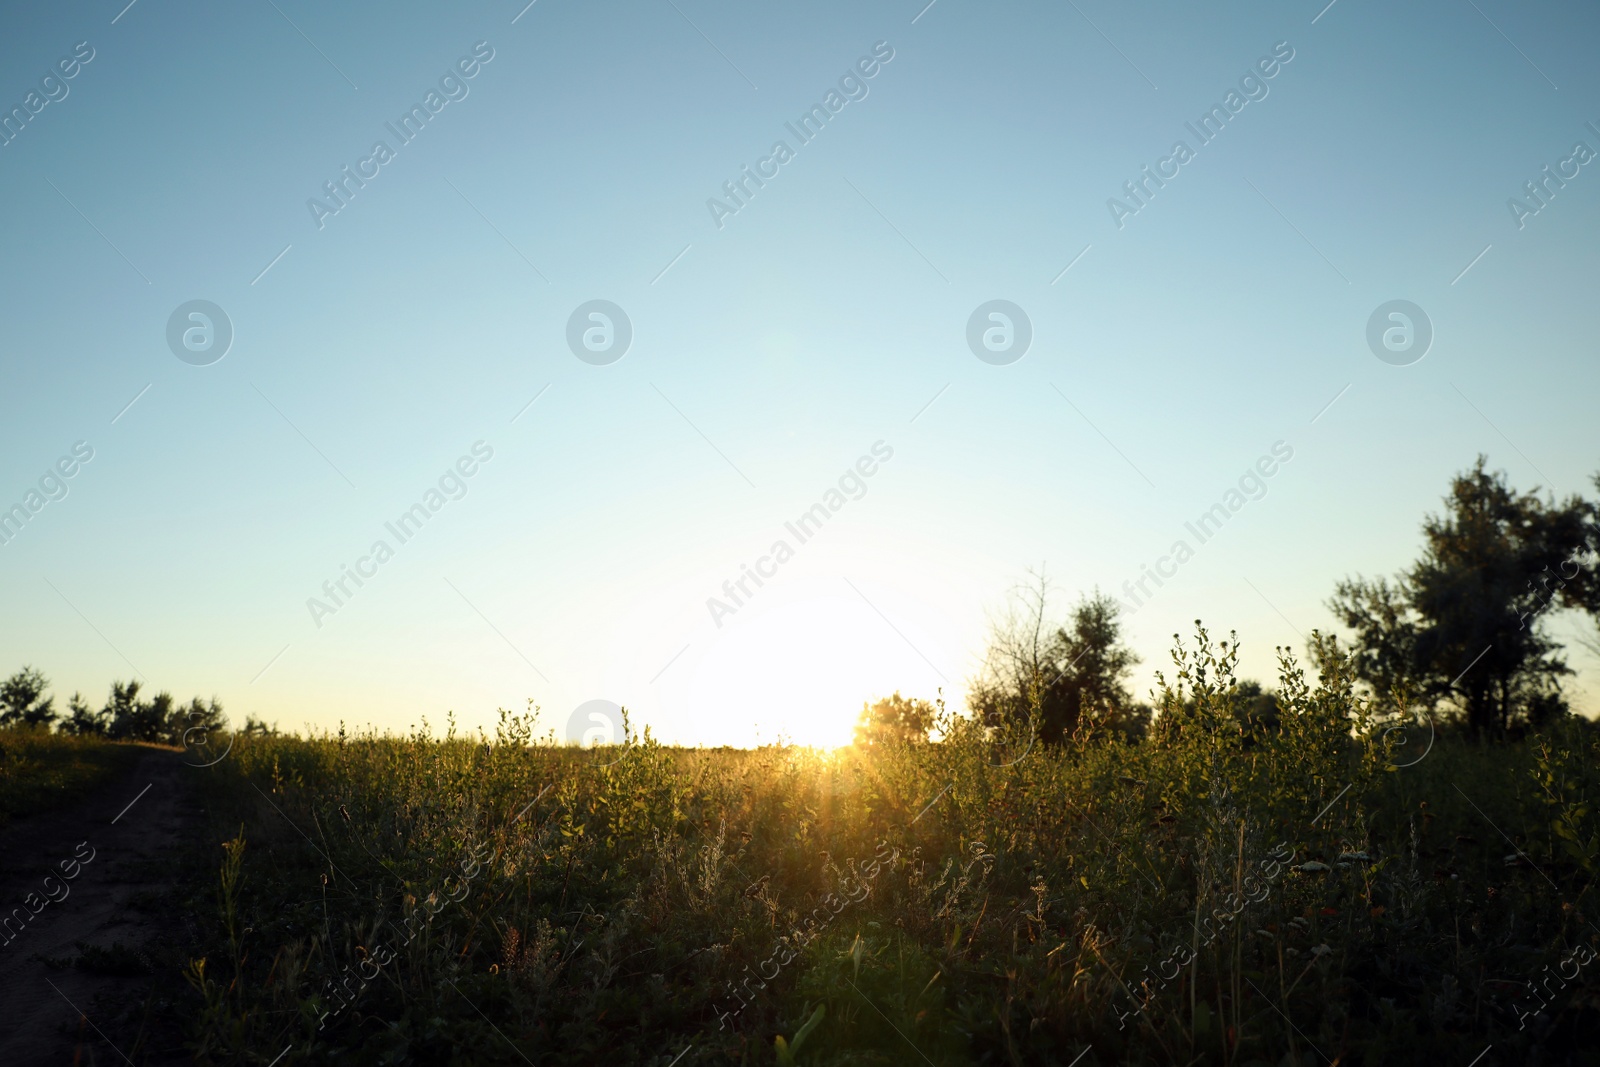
{"points": [[800, 669]]}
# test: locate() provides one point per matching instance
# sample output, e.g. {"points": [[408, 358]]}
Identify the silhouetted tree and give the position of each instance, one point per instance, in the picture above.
{"points": [[254, 727], [1464, 624], [130, 719], [196, 724], [1383, 653], [23, 699], [1068, 672], [83, 720], [124, 718], [894, 718], [1093, 681], [1577, 582]]}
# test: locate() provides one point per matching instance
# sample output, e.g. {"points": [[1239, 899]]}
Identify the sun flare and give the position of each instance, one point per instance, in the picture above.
{"points": [[800, 671]]}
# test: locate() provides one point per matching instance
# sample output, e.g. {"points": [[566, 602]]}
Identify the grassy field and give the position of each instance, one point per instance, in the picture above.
{"points": [[1335, 891], [39, 769]]}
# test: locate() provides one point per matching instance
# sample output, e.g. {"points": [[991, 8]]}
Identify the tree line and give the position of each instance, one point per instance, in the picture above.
{"points": [[1462, 633], [25, 701]]}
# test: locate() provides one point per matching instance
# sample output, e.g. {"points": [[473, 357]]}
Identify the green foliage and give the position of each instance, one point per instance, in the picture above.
{"points": [[1568, 774], [788, 1050], [23, 699], [125, 717], [895, 718], [1058, 680], [159, 720], [83, 721], [1464, 625], [40, 770], [493, 898], [130, 719]]}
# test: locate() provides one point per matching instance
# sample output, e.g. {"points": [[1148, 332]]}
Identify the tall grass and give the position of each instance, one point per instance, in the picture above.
{"points": [[40, 769], [1215, 894]]}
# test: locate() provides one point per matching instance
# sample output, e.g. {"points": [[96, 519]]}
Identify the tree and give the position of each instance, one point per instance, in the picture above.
{"points": [[130, 719], [1066, 672], [1463, 625], [197, 724], [895, 719], [1017, 665], [124, 718], [84, 720], [1258, 707], [1093, 680], [23, 699], [1384, 652], [254, 727], [1577, 583]]}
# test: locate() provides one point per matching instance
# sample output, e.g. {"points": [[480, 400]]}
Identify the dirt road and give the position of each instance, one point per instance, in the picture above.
{"points": [[118, 846]]}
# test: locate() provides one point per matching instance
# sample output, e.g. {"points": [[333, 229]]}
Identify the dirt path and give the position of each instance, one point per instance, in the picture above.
{"points": [[121, 839]]}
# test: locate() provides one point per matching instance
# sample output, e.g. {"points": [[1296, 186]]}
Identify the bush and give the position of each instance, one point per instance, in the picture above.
{"points": [[1221, 893]]}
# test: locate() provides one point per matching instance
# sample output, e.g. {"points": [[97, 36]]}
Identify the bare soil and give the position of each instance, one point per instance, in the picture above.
{"points": [[60, 1004]]}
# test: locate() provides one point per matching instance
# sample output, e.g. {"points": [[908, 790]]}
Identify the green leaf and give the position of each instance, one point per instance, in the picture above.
{"points": [[810, 1025], [786, 1051]]}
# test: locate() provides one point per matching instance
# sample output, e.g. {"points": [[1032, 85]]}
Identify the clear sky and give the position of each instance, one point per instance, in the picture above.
{"points": [[771, 346]]}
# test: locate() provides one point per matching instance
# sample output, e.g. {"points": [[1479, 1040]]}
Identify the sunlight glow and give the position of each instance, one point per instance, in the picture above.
{"points": [[800, 671]]}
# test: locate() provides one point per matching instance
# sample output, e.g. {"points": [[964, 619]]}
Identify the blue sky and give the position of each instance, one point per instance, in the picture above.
{"points": [[769, 354]]}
